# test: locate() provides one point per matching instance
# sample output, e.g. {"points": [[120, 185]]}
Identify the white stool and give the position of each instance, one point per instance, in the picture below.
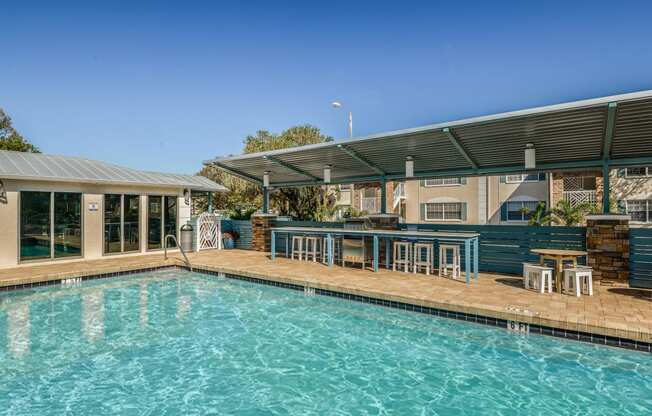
{"points": [[297, 246], [537, 277], [419, 250], [402, 255], [311, 248], [579, 279], [443, 260]]}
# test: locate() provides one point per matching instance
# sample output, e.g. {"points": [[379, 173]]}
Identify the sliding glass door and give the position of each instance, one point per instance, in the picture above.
{"points": [[121, 223], [112, 223], [154, 222], [35, 225], [67, 224], [161, 220], [131, 222], [50, 225]]}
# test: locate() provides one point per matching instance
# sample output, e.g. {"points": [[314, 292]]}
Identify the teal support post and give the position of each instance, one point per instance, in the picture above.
{"points": [[210, 202], [375, 262], [606, 201], [467, 260], [265, 200], [273, 245], [383, 196]]}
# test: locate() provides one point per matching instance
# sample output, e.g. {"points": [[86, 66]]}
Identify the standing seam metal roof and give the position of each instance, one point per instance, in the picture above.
{"points": [[566, 136], [37, 166]]}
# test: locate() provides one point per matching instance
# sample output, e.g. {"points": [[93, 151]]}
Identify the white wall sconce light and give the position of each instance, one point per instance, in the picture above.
{"points": [[327, 174], [530, 156], [409, 167]]}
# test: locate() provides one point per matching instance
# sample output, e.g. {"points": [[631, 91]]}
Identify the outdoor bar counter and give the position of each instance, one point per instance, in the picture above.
{"points": [[469, 240]]}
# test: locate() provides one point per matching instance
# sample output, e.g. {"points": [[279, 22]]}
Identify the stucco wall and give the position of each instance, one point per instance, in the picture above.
{"points": [[417, 194], [92, 221]]}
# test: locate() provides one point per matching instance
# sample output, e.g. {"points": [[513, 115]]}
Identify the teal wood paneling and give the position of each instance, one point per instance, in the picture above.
{"points": [[243, 228], [504, 248], [640, 257]]}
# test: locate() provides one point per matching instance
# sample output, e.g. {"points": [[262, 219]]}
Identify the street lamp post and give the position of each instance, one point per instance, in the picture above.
{"points": [[337, 104]]}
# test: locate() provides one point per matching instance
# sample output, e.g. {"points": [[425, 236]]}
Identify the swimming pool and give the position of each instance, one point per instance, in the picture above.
{"points": [[174, 342]]}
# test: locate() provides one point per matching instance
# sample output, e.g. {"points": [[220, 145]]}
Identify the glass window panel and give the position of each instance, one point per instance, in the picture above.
{"points": [[453, 211], [369, 192], [638, 210], [171, 218], [112, 228], [636, 171], [34, 225], [443, 181], [131, 222], [67, 224], [154, 222], [514, 211]]}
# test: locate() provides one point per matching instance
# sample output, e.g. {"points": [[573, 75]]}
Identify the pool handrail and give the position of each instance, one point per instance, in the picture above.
{"points": [[165, 249]]}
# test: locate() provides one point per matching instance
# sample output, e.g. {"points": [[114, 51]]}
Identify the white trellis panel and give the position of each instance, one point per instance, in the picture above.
{"points": [[209, 232]]}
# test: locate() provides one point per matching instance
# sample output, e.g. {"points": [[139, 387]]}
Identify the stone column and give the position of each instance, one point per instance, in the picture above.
{"points": [[607, 242], [260, 230]]}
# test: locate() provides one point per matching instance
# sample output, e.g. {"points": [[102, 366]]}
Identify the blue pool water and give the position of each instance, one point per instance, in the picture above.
{"points": [[176, 343]]}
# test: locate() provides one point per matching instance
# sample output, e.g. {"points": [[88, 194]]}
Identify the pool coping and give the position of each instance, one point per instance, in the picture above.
{"points": [[519, 322]]}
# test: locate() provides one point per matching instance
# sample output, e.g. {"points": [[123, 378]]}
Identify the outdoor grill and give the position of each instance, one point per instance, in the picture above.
{"points": [[354, 250]]}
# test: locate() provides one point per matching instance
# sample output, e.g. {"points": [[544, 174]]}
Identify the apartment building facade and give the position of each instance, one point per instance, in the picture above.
{"points": [[474, 200], [510, 199]]}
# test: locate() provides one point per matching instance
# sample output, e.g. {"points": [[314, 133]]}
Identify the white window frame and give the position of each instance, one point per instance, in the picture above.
{"points": [[648, 172], [458, 182], [648, 204], [443, 211], [521, 178], [523, 219]]}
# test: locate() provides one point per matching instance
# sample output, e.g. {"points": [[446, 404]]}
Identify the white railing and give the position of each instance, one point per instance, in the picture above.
{"points": [[399, 193], [369, 204], [580, 197]]}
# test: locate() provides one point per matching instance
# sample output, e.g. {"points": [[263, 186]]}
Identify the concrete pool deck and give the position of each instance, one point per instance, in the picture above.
{"points": [[618, 312]]}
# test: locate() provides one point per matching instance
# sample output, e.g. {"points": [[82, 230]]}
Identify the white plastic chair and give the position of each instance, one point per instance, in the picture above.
{"points": [[402, 255], [419, 250], [579, 280], [537, 277], [443, 261]]}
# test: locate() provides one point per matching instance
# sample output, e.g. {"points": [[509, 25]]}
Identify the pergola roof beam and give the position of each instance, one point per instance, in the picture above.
{"points": [[609, 130], [291, 167], [235, 172], [455, 142], [355, 155]]}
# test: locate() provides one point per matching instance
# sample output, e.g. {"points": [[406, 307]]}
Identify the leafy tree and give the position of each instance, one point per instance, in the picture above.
{"points": [[307, 203], [10, 139]]}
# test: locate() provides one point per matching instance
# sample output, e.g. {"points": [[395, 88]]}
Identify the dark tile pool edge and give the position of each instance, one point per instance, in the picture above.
{"points": [[461, 316], [59, 281]]}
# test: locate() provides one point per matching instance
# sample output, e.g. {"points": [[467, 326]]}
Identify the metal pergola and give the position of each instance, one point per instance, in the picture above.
{"points": [[599, 133]]}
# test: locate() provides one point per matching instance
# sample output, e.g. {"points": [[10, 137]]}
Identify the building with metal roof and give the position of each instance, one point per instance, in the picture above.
{"points": [[42, 167], [55, 208], [602, 133]]}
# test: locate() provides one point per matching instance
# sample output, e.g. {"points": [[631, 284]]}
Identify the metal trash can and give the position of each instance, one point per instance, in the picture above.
{"points": [[186, 237]]}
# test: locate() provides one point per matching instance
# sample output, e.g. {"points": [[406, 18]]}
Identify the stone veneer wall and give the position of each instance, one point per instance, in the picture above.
{"points": [[607, 242], [261, 234]]}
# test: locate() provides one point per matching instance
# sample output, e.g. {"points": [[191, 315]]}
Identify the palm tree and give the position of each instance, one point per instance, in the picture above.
{"points": [[567, 214], [540, 216]]}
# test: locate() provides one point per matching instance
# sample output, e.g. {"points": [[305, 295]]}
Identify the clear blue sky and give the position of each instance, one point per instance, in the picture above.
{"points": [[163, 86]]}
